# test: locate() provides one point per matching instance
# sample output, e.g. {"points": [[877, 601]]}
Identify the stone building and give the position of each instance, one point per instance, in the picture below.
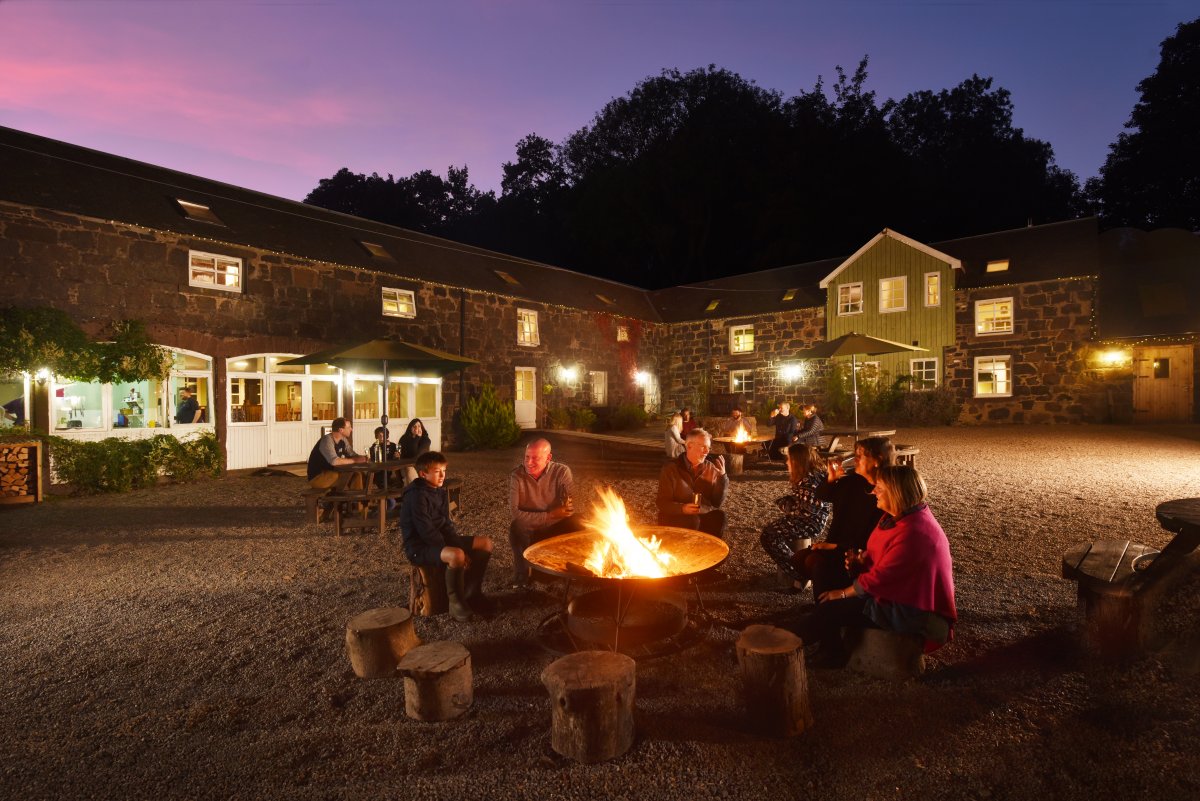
{"points": [[1020, 325]]}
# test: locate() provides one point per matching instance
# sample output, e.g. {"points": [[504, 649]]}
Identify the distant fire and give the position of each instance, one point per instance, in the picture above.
{"points": [[620, 553], [741, 435]]}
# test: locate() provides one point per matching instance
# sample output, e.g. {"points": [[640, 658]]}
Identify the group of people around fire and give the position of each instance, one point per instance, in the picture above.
{"points": [[864, 537]]}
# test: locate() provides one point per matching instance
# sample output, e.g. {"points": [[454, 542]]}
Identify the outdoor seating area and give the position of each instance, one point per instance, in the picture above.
{"points": [[162, 599]]}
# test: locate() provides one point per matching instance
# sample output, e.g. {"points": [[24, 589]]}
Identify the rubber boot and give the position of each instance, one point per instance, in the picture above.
{"points": [[454, 594], [474, 583]]}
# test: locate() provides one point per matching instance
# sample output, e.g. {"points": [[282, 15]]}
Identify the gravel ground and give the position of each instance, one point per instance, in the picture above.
{"points": [[187, 642]]}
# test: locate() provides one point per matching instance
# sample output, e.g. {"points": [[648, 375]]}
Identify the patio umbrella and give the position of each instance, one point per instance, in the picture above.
{"points": [[384, 355], [852, 345]]}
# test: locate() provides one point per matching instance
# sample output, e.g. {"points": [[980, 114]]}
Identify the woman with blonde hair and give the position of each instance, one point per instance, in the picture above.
{"points": [[805, 516], [673, 442]]}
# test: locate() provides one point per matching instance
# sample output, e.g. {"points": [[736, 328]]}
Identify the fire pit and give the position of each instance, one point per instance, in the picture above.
{"points": [[736, 447], [630, 574]]}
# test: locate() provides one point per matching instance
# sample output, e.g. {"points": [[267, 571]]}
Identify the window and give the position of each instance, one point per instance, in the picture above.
{"points": [[1162, 367], [527, 328], [790, 295], [893, 294], [622, 333], [994, 316], [933, 289], [712, 305], [211, 271], [998, 266], [850, 299], [507, 278], [598, 390], [741, 381], [741, 339], [199, 213], [993, 377], [605, 299], [376, 250], [924, 373], [399, 303]]}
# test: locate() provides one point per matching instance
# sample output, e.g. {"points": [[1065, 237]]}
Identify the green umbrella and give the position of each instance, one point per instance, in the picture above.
{"points": [[852, 345]]}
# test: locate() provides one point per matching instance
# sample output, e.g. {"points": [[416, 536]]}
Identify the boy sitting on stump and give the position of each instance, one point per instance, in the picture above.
{"points": [[431, 539]]}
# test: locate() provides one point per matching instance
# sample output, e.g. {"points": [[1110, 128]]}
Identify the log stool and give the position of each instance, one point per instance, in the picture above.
{"points": [[775, 680], [437, 681], [427, 590], [591, 701], [886, 654], [379, 638]]}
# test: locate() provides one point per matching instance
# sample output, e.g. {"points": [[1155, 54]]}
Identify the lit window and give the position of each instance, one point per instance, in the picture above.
{"points": [[199, 213], [508, 279], [399, 303], [994, 316], [790, 295], [924, 373], [893, 294], [712, 305], [376, 250], [741, 381], [211, 271], [993, 377], [933, 289], [606, 300], [527, 328], [998, 266], [741, 339], [598, 388], [850, 299], [622, 333]]}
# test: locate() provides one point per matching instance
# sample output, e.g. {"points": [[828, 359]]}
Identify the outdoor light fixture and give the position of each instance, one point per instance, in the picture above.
{"points": [[1112, 358], [791, 372], [41, 376], [641, 377], [568, 374]]}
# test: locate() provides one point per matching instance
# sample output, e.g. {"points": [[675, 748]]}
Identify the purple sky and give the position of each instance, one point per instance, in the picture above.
{"points": [[277, 95]]}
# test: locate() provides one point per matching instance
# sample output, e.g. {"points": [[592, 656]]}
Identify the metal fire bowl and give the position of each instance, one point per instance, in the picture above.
{"points": [[645, 617], [564, 555]]}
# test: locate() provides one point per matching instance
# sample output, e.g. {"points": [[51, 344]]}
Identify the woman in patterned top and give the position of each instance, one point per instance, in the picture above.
{"points": [[805, 516]]}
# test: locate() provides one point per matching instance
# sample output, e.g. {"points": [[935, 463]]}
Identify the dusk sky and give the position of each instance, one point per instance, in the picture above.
{"points": [[274, 96]]}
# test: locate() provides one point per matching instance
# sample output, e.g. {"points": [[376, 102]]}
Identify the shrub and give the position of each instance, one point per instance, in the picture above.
{"points": [[930, 407], [559, 418], [121, 465], [487, 422], [583, 419], [628, 416]]}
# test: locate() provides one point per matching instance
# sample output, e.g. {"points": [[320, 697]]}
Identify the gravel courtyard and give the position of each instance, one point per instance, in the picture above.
{"points": [[187, 642]]}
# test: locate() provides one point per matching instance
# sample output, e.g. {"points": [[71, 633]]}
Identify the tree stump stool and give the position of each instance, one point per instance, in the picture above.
{"points": [[591, 702], [378, 639], [427, 590], [775, 680], [886, 654], [437, 681]]}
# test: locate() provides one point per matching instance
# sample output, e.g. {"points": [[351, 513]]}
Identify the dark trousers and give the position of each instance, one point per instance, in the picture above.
{"points": [[712, 522], [519, 540], [832, 616]]}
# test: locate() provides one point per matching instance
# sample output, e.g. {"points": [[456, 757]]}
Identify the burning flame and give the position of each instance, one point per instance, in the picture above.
{"points": [[742, 435], [620, 553]]}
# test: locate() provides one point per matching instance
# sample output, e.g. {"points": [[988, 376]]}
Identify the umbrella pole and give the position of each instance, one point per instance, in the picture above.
{"points": [[854, 384], [383, 421]]}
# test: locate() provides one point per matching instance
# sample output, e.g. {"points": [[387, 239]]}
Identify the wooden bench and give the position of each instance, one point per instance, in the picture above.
{"points": [[312, 507], [1120, 583], [340, 503]]}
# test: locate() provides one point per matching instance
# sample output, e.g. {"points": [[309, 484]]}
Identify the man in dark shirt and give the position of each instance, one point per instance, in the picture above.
{"points": [[692, 487], [331, 450], [539, 492], [431, 539], [188, 410], [785, 429]]}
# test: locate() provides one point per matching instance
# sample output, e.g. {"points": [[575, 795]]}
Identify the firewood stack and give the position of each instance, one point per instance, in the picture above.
{"points": [[20, 480]]}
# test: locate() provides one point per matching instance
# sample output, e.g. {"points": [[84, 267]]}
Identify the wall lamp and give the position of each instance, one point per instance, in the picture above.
{"points": [[641, 378], [791, 373], [41, 376]]}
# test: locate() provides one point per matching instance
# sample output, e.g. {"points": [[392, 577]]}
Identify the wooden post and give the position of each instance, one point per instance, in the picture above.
{"points": [[437, 681], [591, 701], [378, 639], [427, 590], [775, 681], [887, 655]]}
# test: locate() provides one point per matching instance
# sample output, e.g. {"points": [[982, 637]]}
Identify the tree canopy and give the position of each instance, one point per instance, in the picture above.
{"points": [[701, 174], [1151, 177], [37, 338]]}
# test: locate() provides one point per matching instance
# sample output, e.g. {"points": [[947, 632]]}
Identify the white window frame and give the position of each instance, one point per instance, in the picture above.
{"points": [[737, 337], [734, 375], [933, 281], [398, 297], [847, 307], [597, 397], [992, 361], [912, 370], [993, 330], [528, 334], [217, 261], [903, 294]]}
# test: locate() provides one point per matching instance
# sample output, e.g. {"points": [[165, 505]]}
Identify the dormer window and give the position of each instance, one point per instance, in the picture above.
{"points": [[198, 212]]}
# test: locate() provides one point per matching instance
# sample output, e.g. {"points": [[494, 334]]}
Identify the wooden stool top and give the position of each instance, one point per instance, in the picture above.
{"points": [[433, 659], [589, 669], [379, 618], [762, 639]]}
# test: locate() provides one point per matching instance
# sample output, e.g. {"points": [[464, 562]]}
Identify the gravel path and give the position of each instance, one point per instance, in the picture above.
{"points": [[187, 642]]}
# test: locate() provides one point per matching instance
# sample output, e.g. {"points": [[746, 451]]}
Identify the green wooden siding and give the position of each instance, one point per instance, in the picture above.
{"points": [[931, 327]]}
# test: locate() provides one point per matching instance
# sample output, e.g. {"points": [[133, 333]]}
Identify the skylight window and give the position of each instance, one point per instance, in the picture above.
{"points": [[606, 300], [198, 212], [376, 250], [508, 279], [712, 305], [998, 266]]}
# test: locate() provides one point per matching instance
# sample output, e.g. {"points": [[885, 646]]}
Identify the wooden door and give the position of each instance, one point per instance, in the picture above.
{"points": [[1162, 384], [525, 397]]}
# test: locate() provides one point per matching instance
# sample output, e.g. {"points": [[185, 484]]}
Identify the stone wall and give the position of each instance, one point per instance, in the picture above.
{"points": [[1052, 333]]}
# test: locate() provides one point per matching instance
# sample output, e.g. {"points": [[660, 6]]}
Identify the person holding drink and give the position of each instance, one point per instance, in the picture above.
{"points": [[805, 515], [691, 487], [539, 491]]}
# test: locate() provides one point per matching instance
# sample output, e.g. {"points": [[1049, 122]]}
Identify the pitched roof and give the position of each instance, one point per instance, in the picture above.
{"points": [[889, 233]]}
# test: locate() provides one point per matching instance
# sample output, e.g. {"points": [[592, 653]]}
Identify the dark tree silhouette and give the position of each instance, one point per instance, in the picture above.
{"points": [[1151, 177]]}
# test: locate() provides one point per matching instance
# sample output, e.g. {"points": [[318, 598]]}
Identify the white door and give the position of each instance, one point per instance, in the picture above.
{"points": [[287, 431], [525, 397]]}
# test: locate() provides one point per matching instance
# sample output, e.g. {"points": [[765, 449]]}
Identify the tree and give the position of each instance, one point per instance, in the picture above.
{"points": [[1152, 174], [36, 338]]}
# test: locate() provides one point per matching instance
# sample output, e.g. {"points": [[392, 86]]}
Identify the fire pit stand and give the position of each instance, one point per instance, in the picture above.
{"points": [[641, 617]]}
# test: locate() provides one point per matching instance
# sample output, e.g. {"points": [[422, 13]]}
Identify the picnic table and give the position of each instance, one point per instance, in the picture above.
{"points": [[341, 496]]}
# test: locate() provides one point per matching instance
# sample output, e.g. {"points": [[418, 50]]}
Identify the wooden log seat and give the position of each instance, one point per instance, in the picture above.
{"points": [[427, 590], [887, 655], [378, 639], [591, 703], [437, 681], [774, 680]]}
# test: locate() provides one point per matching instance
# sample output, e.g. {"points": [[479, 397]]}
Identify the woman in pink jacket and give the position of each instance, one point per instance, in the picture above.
{"points": [[905, 578]]}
